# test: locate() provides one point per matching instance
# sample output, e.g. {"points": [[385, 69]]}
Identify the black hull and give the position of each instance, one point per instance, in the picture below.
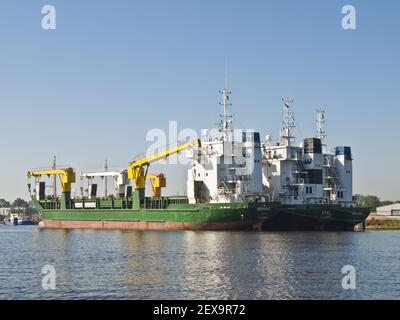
{"points": [[316, 218]]}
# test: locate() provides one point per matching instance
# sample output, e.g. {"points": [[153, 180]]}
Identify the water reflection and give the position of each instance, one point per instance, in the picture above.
{"points": [[197, 265]]}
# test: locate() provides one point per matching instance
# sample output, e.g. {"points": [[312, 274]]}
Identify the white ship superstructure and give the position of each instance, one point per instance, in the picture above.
{"points": [[338, 178], [307, 173], [338, 168], [228, 166]]}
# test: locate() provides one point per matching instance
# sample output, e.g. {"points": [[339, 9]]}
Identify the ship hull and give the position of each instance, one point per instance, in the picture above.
{"points": [[317, 217], [241, 216], [147, 225]]}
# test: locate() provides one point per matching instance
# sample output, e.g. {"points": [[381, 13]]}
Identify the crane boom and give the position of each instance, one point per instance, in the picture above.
{"points": [[157, 180], [138, 168], [67, 176]]}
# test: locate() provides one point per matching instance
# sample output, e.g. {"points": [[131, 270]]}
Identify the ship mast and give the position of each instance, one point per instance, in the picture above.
{"points": [[321, 131], [226, 126], [287, 137], [105, 180], [54, 167]]}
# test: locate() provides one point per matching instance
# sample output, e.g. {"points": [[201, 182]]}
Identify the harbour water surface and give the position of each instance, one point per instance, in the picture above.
{"points": [[94, 264]]}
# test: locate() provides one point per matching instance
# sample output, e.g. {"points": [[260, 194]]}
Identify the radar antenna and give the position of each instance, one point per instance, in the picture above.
{"points": [[321, 129], [226, 125], [287, 137]]}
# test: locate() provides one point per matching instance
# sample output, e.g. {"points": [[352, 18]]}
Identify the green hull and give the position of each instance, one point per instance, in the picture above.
{"points": [[166, 214], [175, 213], [317, 217]]}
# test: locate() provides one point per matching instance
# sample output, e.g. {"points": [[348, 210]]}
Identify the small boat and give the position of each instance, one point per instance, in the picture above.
{"points": [[16, 219], [26, 222]]}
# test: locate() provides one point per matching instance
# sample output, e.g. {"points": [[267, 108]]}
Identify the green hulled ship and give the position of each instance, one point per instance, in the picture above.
{"points": [[224, 190], [165, 213], [129, 209]]}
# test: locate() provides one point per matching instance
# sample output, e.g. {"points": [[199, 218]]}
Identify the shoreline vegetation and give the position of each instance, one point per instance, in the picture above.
{"points": [[383, 223], [374, 221]]}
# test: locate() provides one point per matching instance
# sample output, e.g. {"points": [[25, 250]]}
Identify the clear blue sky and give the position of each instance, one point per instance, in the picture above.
{"points": [[112, 70]]}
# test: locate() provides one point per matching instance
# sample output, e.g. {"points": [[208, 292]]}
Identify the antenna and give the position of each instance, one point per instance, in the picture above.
{"points": [[226, 72], [105, 179], [321, 129], [54, 178], [288, 123], [226, 125]]}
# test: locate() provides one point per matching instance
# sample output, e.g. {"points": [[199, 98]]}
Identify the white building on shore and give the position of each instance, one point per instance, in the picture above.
{"points": [[389, 210], [5, 211]]}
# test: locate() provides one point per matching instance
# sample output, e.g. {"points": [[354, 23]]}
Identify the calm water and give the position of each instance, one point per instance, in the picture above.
{"points": [[197, 265]]}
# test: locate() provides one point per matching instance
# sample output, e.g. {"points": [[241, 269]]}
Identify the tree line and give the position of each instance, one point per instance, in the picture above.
{"points": [[372, 201], [19, 205]]}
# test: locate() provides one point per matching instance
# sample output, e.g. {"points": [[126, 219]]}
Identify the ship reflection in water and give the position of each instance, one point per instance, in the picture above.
{"points": [[197, 265]]}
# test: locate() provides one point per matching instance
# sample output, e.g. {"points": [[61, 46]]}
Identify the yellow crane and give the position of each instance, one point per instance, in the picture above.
{"points": [[137, 169], [67, 177], [157, 182]]}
